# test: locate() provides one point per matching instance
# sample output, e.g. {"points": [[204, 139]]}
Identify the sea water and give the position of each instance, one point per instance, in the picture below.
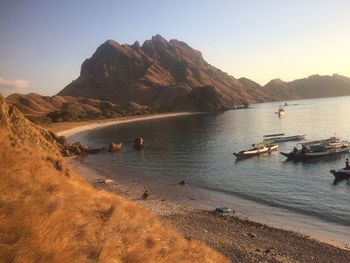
{"points": [[199, 148]]}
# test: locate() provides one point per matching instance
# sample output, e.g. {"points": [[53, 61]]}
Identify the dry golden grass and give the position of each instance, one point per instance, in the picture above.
{"points": [[49, 214]]}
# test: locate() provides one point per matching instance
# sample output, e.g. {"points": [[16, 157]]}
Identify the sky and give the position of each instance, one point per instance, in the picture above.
{"points": [[43, 43]]}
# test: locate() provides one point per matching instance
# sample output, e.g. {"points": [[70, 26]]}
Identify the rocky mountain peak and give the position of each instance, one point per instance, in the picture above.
{"points": [[155, 45], [275, 82], [159, 39], [136, 46], [160, 74]]}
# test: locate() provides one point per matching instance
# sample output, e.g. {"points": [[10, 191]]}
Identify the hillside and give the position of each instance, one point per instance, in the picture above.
{"points": [[49, 214], [66, 108], [165, 75], [314, 86]]}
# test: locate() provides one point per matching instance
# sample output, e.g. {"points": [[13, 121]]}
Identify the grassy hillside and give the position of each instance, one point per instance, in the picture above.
{"points": [[46, 109], [49, 214]]}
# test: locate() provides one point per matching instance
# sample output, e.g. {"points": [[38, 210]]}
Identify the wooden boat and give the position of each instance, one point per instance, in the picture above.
{"points": [[320, 148], [343, 173], [280, 137], [257, 149]]}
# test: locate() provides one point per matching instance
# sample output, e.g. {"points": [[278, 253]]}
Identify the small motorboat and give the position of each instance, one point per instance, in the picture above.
{"points": [[280, 137], [257, 149], [280, 112], [320, 148]]}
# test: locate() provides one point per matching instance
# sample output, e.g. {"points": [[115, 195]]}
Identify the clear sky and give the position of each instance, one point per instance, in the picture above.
{"points": [[43, 43]]}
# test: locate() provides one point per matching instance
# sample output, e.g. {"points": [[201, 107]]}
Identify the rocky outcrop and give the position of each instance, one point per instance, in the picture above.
{"points": [[159, 74], [138, 143], [115, 147], [78, 149]]}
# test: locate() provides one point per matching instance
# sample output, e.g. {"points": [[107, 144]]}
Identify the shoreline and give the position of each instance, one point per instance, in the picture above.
{"points": [[77, 127], [229, 234], [170, 209], [194, 197]]}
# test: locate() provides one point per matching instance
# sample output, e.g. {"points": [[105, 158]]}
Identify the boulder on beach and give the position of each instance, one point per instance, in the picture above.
{"points": [[115, 147], [63, 140], [183, 182], [108, 181], [105, 181], [145, 195], [138, 143]]}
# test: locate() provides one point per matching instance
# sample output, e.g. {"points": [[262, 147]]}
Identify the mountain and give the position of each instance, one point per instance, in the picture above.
{"points": [[165, 75], [162, 76], [314, 86]]}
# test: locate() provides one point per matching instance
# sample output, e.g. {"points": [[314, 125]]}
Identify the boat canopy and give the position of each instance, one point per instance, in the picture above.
{"points": [[329, 140], [273, 135]]}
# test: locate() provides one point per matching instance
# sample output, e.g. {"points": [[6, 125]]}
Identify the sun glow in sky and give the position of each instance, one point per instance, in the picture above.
{"points": [[43, 43]]}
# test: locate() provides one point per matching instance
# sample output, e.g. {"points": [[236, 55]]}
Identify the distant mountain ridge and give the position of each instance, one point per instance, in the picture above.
{"points": [[314, 86]]}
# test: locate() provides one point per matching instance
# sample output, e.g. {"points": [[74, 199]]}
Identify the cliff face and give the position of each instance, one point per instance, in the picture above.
{"points": [[166, 75]]}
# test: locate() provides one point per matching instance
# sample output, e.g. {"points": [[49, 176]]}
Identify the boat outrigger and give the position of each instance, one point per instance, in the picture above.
{"points": [[320, 148], [257, 149], [280, 137]]}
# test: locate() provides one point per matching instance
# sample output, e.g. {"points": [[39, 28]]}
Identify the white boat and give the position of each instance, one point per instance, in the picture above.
{"points": [[257, 149], [320, 148]]}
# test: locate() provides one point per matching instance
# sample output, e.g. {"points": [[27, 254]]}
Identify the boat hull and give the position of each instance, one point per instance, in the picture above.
{"points": [[341, 174], [251, 153], [300, 156]]}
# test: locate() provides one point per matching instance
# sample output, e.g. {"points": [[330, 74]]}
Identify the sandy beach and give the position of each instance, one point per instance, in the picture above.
{"points": [[183, 208], [70, 128]]}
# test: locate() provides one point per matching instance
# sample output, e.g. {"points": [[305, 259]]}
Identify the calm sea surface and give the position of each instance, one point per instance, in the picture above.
{"points": [[199, 148]]}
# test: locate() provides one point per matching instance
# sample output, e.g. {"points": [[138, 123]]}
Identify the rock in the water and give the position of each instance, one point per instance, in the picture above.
{"points": [[78, 149], [138, 143], [115, 147]]}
